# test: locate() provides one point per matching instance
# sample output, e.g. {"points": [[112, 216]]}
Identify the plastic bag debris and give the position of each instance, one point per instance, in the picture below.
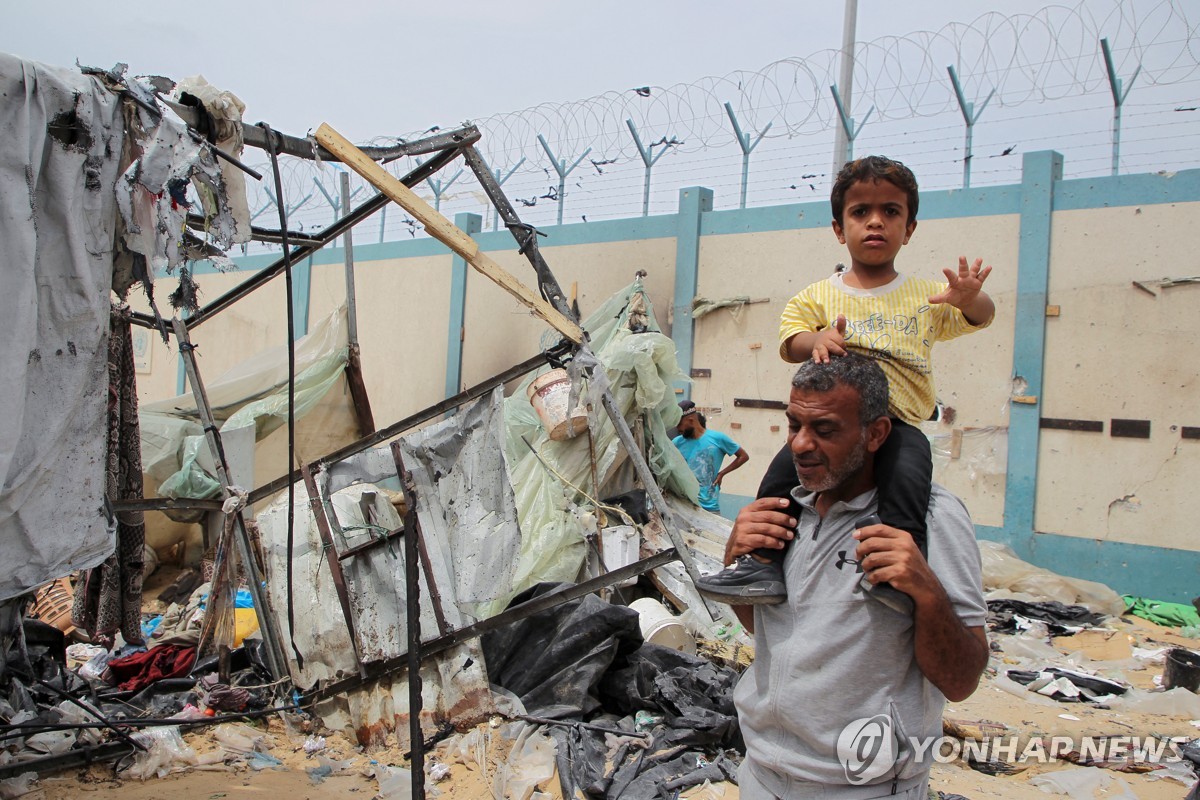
{"points": [[165, 753], [438, 772], [318, 774], [1003, 570], [1174, 702], [52, 743], [1030, 644], [530, 763], [314, 744], [1009, 616], [469, 749], [1083, 783], [261, 761], [1067, 685], [239, 738], [553, 660], [395, 783], [335, 766], [18, 786]]}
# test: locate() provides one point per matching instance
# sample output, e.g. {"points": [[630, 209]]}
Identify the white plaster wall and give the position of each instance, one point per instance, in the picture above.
{"points": [[1117, 352], [249, 326], [403, 307], [1114, 351], [500, 332]]}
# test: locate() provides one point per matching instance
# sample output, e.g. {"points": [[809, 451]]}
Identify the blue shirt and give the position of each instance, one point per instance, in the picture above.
{"points": [[704, 455]]}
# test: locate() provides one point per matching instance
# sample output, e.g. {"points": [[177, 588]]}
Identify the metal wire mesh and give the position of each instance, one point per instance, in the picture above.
{"points": [[1047, 70]]}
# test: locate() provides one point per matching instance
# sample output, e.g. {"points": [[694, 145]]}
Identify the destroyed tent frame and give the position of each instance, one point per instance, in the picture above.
{"points": [[550, 304]]}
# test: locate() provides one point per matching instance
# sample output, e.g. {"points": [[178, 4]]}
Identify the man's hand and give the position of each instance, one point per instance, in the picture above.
{"points": [[889, 555], [830, 341], [965, 291], [764, 523], [951, 656]]}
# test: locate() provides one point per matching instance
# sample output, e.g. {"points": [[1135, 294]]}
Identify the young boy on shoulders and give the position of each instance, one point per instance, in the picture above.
{"points": [[895, 318]]}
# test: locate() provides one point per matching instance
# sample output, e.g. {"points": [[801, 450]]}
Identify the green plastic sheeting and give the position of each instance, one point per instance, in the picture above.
{"points": [[554, 517], [1175, 615], [253, 393]]}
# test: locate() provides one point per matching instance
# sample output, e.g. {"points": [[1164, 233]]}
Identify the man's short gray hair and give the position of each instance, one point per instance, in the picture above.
{"points": [[858, 372]]}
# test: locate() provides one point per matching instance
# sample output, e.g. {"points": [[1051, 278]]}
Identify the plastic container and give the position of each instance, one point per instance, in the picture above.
{"points": [[52, 605], [1182, 670], [619, 544], [659, 626], [549, 395]]}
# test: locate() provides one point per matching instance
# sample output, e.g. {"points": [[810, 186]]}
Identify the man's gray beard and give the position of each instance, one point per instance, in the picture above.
{"points": [[834, 479]]}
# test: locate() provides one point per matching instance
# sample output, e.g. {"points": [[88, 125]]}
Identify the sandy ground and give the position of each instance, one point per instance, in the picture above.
{"points": [[1107, 648]]}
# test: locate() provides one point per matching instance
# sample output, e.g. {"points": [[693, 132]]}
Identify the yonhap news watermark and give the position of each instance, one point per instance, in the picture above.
{"points": [[870, 748]]}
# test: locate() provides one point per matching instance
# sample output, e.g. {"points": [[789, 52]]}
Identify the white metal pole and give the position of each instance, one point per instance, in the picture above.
{"points": [[846, 81]]}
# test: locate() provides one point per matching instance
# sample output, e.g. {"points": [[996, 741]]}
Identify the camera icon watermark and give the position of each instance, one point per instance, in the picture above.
{"points": [[867, 748]]}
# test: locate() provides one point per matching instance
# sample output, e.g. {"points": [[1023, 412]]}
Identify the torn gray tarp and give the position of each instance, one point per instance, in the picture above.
{"points": [[165, 158], [60, 137], [465, 502]]}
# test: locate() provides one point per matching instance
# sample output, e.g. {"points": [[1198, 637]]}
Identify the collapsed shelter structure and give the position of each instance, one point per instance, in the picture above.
{"points": [[370, 636]]}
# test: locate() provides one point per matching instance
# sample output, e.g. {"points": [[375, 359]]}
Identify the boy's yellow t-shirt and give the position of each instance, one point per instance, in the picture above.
{"points": [[894, 324]]}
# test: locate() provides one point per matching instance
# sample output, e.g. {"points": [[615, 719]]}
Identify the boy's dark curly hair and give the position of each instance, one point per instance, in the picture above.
{"points": [[873, 168]]}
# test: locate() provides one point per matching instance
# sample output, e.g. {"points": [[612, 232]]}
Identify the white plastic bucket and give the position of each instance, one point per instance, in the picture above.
{"points": [[659, 626], [619, 544], [549, 395]]}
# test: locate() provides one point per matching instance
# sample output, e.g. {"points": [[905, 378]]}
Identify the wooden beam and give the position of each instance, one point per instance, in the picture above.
{"points": [[444, 230]]}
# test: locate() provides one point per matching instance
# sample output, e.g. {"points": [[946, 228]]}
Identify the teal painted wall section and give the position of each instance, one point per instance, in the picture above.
{"points": [[694, 203], [301, 295], [470, 224], [1039, 173]]}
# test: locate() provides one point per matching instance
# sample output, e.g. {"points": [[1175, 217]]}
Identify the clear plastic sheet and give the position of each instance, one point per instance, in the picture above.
{"points": [[641, 369], [1002, 570], [252, 393]]}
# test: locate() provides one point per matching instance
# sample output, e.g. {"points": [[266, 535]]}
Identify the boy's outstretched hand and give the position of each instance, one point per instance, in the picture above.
{"points": [[965, 291], [830, 341]]}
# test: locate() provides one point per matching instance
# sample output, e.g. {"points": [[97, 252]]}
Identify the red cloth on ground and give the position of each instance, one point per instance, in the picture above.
{"points": [[136, 672]]}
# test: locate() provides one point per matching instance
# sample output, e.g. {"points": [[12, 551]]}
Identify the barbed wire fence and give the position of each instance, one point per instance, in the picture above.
{"points": [[1036, 82]]}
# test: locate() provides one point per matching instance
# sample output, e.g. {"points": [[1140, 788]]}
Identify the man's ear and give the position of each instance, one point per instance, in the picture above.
{"points": [[908, 230], [839, 232], [877, 433]]}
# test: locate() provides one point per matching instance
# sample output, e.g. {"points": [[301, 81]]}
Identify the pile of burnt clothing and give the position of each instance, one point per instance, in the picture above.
{"points": [[1068, 685], [1011, 616], [49, 710], [654, 716]]}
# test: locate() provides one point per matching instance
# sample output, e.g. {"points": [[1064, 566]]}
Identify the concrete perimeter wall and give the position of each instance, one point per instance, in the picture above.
{"points": [[1074, 431]]}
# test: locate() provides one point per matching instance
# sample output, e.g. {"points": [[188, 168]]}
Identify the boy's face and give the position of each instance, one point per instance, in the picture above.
{"points": [[874, 224]]}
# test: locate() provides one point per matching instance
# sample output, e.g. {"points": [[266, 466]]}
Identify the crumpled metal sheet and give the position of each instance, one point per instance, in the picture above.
{"points": [[465, 502], [454, 690], [468, 521]]}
